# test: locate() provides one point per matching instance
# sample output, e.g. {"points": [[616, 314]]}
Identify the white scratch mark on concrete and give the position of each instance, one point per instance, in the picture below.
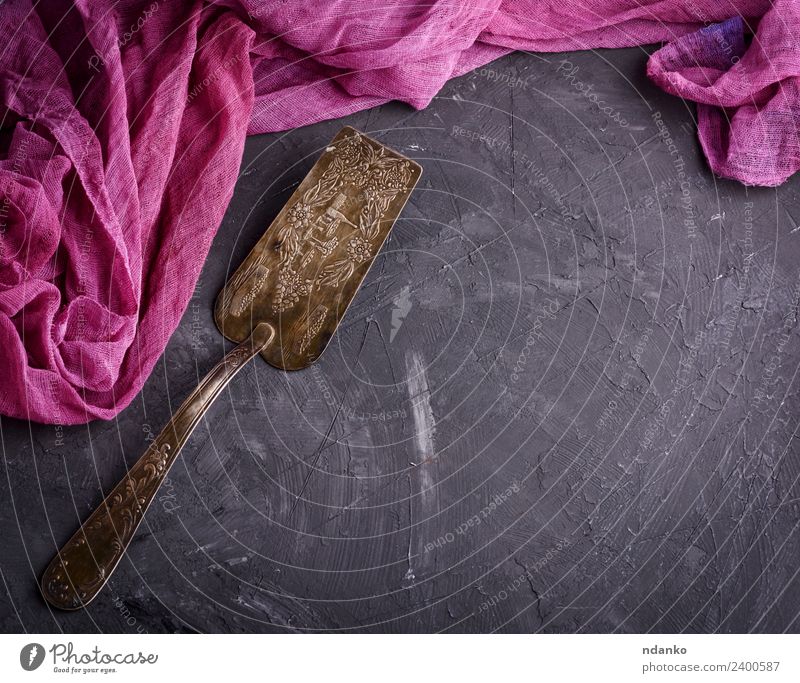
{"points": [[424, 422], [425, 429]]}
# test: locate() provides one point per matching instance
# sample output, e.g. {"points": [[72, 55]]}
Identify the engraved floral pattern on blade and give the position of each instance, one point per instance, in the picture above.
{"points": [[328, 234], [312, 324], [319, 245], [359, 249], [291, 286], [243, 290]]}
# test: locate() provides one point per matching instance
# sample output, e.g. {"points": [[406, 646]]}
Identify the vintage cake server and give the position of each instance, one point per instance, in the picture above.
{"points": [[284, 302]]}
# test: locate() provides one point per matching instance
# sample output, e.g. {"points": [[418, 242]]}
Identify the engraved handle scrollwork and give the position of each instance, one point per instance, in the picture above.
{"points": [[84, 564]]}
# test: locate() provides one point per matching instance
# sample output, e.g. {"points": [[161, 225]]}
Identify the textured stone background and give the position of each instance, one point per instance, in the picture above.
{"points": [[543, 330]]}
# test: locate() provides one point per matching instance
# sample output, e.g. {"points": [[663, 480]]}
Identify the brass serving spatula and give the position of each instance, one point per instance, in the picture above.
{"points": [[285, 302]]}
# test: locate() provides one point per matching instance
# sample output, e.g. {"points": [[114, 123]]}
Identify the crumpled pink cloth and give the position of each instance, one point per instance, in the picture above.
{"points": [[125, 120]]}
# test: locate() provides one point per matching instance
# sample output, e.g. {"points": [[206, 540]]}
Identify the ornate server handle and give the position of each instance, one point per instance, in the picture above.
{"points": [[82, 567]]}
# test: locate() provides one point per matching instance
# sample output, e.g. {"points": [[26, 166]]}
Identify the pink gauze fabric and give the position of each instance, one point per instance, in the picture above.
{"points": [[124, 123]]}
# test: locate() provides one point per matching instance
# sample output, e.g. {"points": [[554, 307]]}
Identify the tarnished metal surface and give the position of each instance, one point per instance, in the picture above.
{"points": [[305, 270], [85, 563], [299, 280]]}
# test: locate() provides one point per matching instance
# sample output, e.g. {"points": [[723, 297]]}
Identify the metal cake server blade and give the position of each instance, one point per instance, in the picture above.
{"points": [[285, 302]]}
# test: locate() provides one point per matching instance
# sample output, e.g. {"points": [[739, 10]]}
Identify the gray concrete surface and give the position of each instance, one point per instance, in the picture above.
{"points": [[565, 400]]}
